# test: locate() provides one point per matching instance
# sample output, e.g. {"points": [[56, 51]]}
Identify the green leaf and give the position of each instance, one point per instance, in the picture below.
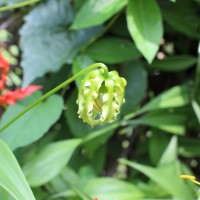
{"points": [[45, 41], [49, 162], [182, 16], [99, 137], [175, 63], [165, 120], [196, 109], [32, 125], [167, 173], [11, 177], [81, 62], [110, 188], [5, 195], [136, 77], [176, 96], [189, 147], [145, 26], [113, 50], [157, 144], [167, 177], [96, 12], [170, 154]]}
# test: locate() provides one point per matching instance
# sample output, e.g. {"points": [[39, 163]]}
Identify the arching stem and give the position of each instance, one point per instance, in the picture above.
{"points": [[54, 90]]}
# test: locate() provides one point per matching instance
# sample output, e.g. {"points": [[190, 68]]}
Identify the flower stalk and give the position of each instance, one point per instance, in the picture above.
{"points": [[103, 69]]}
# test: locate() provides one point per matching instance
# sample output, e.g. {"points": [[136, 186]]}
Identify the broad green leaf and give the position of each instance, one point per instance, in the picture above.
{"points": [[175, 63], [145, 26], [45, 41], [5, 195], [165, 120], [110, 188], [136, 77], [49, 162], [11, 177], [182, 16], [176, 96], [32, 125], [113, 50], [96, 12], [80, 62]]}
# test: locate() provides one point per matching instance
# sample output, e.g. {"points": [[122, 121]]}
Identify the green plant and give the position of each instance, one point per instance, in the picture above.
{"points": [[132, 150]]}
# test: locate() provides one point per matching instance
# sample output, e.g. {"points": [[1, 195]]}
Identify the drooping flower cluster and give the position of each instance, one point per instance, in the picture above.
{"points": [[100, 97], [10, 97]]}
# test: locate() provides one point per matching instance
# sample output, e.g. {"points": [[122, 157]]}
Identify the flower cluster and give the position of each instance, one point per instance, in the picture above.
{"points": [[10, 97], [100, 97]]}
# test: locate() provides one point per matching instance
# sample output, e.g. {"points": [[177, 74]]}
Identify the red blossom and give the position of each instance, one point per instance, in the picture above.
{"points": [[10, 97], [4, 67]]}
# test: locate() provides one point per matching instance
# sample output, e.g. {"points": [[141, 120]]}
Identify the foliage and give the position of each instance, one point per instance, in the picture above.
{"points": [[49, 153]]}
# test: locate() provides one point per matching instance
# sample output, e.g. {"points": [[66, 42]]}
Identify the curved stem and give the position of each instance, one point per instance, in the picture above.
{"points": [[54, 90]]}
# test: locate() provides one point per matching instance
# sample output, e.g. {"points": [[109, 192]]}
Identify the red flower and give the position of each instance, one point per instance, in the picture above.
{"points": [[10, 97], [4, 67]]}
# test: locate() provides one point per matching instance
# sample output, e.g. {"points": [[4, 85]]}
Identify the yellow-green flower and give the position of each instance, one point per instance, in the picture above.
{"points": [[100, 96]]}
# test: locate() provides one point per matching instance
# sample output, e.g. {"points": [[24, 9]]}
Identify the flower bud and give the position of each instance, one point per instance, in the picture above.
{"points": [[100, 97]]}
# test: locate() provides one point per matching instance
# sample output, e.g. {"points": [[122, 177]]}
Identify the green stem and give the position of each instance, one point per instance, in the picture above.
{"points": [[18, 5], [54, 90]]}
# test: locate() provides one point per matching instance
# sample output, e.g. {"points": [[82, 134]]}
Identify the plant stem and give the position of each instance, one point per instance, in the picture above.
{"points": [[54, 90], [18, 5]]}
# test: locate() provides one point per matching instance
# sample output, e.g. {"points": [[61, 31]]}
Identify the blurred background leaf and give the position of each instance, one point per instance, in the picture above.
{"points": [[34, 124]]}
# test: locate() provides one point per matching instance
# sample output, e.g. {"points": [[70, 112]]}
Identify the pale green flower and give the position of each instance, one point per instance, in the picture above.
{"points": [[100, 97]]}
